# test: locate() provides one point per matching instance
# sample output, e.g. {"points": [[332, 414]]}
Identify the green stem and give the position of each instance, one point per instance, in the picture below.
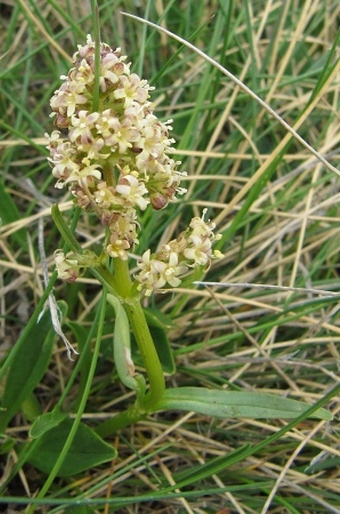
{"points": [[142, 334], [101, 273], [123, 282], [153, 368], [149, 354], [96, 29], [132, 415], [120, 284], [64, 230]]}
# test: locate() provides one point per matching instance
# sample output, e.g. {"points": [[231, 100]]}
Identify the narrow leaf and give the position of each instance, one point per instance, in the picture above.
{"points": [[235, 404], [157, 318], [6, 444], [163, 349], [9, 213], [122, 345]]}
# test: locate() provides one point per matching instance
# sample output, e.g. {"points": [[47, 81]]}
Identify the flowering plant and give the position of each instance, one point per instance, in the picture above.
{"points": [[114, 155]]}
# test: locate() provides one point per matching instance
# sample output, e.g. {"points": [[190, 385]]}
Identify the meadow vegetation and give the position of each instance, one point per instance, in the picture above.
{"points": [[264, 317]]}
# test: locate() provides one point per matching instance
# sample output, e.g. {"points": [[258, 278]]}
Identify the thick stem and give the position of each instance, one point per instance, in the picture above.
{"points": [[123, 282], [142, 334], [149, 354]]}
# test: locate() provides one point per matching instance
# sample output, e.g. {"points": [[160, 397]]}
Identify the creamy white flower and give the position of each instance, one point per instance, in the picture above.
{"points": [[133, 191], [156, 274], [67, 265]]}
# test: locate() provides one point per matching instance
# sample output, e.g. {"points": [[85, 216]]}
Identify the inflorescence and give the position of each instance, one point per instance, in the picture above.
{"points": [[115, 161]]}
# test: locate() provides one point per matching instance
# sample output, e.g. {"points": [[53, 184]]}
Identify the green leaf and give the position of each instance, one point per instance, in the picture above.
{"points": [[31, 407], [196, 275], [325, 462], [159, 324], [122, 345], [78, 509], [235, 404], [28, 367], [81, 335], [9, 213], [164, 351], [6, 444], [87, 450], [157, 318], [46, 422]]}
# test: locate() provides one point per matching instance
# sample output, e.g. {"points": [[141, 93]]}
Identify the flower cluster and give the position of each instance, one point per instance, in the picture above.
{"points": [[114, 160], [67, 265], [112, 153], [191, 249], [70, 265]]}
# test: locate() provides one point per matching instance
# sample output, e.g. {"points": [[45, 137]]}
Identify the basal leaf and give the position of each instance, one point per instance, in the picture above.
{"points": [[87, 450], [235, 404], [28, 367]]}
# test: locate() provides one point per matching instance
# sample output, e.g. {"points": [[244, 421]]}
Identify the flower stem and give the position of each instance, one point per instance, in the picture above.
{"points": [[142, 334], [149, 354], [96, 26], [120, 284], [132, 415]]}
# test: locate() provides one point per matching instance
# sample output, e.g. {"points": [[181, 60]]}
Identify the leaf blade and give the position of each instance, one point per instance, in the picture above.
{"points": [[28, 367], [235, 404], [86, 451]]}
